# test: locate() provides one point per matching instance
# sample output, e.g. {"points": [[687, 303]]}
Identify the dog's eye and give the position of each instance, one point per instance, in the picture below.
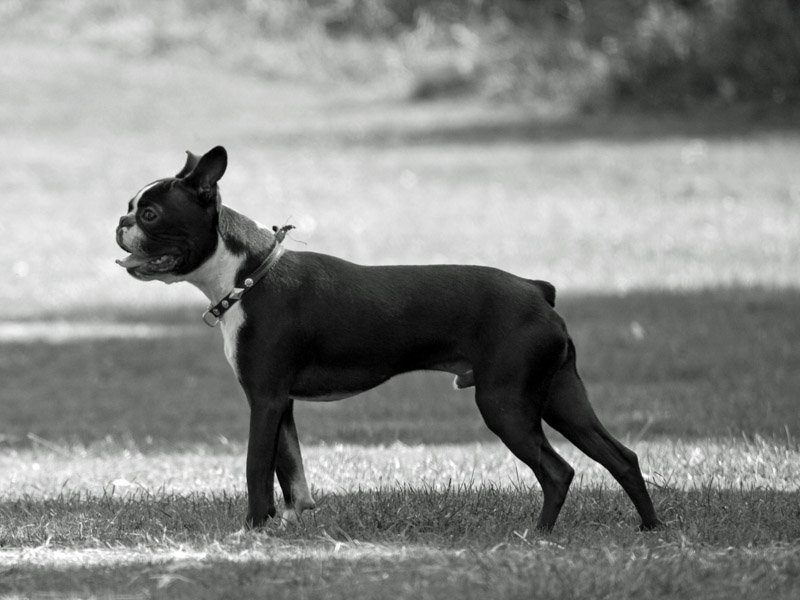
{"points": [[149, 215]]}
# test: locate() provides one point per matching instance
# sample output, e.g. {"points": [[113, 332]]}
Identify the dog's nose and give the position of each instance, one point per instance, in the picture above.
{"points": [[126, 221]]}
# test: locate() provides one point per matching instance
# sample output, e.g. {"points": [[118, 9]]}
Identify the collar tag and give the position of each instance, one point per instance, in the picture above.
{"points": [[210, 318]]}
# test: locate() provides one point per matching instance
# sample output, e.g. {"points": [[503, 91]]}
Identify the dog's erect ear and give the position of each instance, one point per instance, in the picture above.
{"points": [[191, 163], [207, 172]]}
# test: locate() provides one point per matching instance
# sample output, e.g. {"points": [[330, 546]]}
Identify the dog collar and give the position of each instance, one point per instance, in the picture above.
{"points": [[214, 312]]}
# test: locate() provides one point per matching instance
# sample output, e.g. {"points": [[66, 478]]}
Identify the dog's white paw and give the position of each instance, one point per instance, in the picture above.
{"points": [[287, 518]]}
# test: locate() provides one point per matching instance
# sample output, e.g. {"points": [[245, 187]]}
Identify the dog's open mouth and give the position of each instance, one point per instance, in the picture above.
{"points": [[144, 265]]}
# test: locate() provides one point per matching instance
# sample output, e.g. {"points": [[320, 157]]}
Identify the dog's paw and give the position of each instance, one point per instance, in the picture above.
{"points": [[292, 515], [261, 521], [288, 518], [657, 525]]}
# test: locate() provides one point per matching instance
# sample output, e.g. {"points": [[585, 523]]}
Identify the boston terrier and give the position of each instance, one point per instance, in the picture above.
{"points": [[308, 326]]}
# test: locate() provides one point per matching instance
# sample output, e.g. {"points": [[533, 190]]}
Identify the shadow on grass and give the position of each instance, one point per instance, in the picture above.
{"points": [[368, 573], [706, 363]]}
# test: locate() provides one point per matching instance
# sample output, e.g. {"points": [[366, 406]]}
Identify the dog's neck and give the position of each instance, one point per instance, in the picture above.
{"points": [[242, 244]]}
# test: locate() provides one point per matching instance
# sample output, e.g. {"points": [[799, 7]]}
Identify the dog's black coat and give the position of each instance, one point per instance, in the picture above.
{"points": [[318, 327]]}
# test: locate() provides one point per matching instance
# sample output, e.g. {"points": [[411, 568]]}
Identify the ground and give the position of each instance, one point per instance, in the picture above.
{"points": [[672, 240]]}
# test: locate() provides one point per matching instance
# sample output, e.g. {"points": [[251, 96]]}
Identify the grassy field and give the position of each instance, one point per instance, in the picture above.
{"points": [[411, 521], [673, 243]]}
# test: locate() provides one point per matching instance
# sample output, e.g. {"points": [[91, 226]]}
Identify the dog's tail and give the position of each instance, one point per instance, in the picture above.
{"points": [[548, 290]]}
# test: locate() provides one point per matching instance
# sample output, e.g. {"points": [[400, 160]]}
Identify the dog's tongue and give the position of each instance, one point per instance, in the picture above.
{"points": [[132, 261]]}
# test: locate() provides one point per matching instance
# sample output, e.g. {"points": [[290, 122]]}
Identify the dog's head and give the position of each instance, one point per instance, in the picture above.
{"points": [[171, 225]]}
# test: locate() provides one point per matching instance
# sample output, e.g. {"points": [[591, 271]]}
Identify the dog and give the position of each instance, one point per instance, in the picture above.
{"points": [[308, 326]]}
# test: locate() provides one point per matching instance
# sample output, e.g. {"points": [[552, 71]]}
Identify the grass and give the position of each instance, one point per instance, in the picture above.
{"points": [[672, 241], [167, 525], [327, 570]]}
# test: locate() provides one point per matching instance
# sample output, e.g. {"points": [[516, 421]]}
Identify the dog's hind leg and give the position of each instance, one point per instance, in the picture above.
{"points": [[290, 471], [568, 411], [512, 415]]}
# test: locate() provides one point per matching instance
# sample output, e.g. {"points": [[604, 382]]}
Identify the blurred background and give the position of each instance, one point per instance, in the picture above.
{"points": [[641, 155]]}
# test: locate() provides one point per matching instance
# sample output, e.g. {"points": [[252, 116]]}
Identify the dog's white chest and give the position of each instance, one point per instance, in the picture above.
{"points": [[230, 324], [215, 278]]}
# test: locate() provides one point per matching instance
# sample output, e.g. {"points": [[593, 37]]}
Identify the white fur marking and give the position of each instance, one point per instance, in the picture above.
{"points": [[132, 236], [230, 324], [217, 275], [289, 517], [215, 278], [138, 196]]}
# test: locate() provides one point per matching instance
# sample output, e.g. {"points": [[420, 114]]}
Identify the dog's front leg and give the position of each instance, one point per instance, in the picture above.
{"points": [[266, 415], [291, 474]]}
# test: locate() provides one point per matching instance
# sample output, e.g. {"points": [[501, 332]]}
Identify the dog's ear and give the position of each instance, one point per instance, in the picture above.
{"points": [[191, 163], [207, 172]]}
